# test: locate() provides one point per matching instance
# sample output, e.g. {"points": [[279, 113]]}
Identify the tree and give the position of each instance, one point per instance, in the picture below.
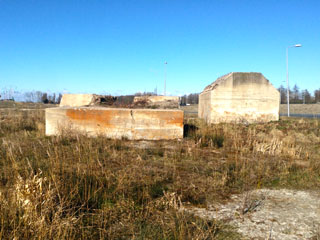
{"points": [[38, 95], [307, 96], [193, 98], [317, 95], [59, 98], [44, 98], [183, 100], [296, 94], [52, 98], [283, 94], [28, 96]]}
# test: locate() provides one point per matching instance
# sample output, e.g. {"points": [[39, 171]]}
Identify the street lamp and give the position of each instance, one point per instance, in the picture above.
{"points": [[288, 97], [165, 77]]}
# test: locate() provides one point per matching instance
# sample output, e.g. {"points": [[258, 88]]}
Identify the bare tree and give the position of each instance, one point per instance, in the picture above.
{"points": [[296, 94], [317, 95], [307, 97], [28, 96], [44, 98], [59, 98], [38, 95], [283, 94]]}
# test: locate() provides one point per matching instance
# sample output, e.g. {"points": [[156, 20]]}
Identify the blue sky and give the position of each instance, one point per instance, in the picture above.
{"points": [[120, 46]]}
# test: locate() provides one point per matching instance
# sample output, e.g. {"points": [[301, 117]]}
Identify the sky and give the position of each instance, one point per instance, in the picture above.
{"points": [[120, 46]]}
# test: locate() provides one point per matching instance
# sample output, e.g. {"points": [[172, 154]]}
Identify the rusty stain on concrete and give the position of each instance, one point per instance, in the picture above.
{"points": [[90, 115]]}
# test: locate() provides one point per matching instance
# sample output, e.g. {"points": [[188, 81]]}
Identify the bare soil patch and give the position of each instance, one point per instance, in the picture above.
{"points": [[270, 214]]}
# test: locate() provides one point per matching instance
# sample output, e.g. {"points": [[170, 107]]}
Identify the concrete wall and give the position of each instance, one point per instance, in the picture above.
{"points": [[135, 124], [240, 97], [204, 106], [158, 101]]}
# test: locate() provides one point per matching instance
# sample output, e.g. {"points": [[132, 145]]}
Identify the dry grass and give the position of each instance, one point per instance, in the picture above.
{"points": [[79, 187]]}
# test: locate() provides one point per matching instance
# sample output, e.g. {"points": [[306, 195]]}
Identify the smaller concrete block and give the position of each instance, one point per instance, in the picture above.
{"points": [[158, 101], [77, 100], [134, 124]]}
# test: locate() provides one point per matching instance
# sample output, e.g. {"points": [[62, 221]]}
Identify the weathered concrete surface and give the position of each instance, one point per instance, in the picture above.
{"points": [[134, 124], [77, 100], [157, 101], [240, 97]]}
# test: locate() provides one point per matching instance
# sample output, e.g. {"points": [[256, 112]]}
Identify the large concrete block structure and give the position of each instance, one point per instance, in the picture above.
{"points": [[133, 124], [241, 97]]}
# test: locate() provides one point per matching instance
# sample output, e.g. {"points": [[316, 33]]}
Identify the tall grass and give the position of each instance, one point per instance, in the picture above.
{"points": [[75, 187]]}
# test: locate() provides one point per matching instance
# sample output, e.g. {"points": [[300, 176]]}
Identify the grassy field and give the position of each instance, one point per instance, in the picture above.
{"points": [[76, 187], [24, 105], [294, 109], [301, 108]]}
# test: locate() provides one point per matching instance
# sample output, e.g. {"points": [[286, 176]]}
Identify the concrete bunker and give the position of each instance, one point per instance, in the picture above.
{"points": [[240, 97], [88, 115]]}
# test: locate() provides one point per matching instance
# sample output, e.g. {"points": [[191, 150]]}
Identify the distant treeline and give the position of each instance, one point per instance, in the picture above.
{"points": [[192, 98], [296, 94], [44, 97]]}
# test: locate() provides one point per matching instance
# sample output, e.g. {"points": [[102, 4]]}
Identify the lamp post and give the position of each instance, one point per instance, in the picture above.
{"points": [[288, 97], [165, 77]]}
